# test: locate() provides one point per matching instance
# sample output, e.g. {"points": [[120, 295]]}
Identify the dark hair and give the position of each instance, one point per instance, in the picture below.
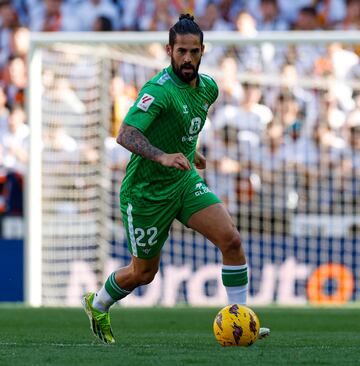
{"points": [[185, 25], [269, 2], [309, 10], [105, 23]]}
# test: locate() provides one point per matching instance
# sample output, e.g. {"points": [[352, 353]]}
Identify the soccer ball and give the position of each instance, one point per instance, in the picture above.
{"points": [[236, 325]]}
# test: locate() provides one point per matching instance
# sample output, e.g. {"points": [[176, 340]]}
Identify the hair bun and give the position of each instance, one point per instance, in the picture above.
{"points": [[186, 16]]}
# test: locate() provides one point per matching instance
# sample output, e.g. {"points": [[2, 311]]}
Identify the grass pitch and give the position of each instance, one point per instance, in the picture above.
{"points": [[179, 336]]}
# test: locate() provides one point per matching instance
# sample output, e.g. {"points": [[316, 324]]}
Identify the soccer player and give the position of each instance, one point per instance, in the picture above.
{"points": [[161, 183]]}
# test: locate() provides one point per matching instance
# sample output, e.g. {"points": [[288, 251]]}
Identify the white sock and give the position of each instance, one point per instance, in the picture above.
{"points": [[237, 295], [235, 280], [102, 300]]}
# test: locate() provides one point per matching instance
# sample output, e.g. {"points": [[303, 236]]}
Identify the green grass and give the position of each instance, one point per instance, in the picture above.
{"points": [[179, 336]]}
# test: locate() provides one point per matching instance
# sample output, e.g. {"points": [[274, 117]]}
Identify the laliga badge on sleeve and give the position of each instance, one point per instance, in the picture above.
{"points": [[145, 102]]}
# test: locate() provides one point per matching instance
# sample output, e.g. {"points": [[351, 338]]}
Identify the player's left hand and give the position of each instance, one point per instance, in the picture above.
{"points": [[199, 160]]}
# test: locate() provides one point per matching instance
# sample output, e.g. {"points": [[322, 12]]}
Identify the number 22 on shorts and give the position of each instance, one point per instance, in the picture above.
{"points": [[145, 237]]}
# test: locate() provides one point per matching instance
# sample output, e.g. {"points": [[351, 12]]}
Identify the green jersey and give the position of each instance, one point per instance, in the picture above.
{"points": [[170, 113]]}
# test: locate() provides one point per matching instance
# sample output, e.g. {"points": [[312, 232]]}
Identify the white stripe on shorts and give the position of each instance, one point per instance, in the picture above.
{"points": [[131, 230]]}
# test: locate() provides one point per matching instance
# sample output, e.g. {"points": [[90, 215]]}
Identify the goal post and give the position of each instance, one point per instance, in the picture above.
{"points": [[33, 207], [299, 221]]}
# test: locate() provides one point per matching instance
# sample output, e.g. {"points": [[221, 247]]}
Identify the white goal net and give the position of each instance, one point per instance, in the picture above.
{"points": [[283, 153]]}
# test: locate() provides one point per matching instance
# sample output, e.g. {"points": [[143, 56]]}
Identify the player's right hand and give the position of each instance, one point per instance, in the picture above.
{"points": [[177, 160]]}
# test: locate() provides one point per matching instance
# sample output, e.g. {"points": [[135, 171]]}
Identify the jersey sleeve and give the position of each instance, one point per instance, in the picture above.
{"points": [[212, 88], [215, 92], [151, 102]]}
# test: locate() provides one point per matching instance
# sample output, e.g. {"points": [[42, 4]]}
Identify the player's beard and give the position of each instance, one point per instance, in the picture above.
{"points": [[188, 76]]}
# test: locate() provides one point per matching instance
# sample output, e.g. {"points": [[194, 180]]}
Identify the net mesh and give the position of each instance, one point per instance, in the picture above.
{"points": [[282, 147], [74, 187]]}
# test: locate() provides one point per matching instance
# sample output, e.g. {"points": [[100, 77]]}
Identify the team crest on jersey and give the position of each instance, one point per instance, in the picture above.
{"points": [[205, 106], [145, 102]]}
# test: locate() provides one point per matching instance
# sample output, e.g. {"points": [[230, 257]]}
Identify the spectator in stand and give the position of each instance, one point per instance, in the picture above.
{"points": [[245, 23], [132, 13], [248, 57], [199, 7], [123, 97], [102, 24], [307, 54], [317, 151], [249, 118], [231, 91], [58, 145], [310, 162], [14, 160], [155, 15], [20, 42], [352, 136], [268, 155], [290, 87], [331, 114], [14, 141], [268, 17], [307, 19], [223, 164], [230, 8], [329, 12], [339, 63], [183, 6], [288, 9], [90, 10], [54, 16], [159, 17], [16, 78], [22, 10], [354, 114], [287, 114], [267, 172], [256, 58], [212, 19], [4, 112], [351, 20], [8, 22], [349, 170]]}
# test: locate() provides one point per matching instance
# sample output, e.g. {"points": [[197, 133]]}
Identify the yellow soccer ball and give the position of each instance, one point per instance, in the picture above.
{"points": [[236, 325]]}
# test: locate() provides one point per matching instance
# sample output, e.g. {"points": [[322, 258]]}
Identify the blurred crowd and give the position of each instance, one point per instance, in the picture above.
{"points": [[261, 129]]}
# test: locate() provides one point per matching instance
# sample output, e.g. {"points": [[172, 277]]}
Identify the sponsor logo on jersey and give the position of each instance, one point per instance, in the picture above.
{"points": [[194, 129], [188, 138], [145, 102], [163, 79], [200, 189]]}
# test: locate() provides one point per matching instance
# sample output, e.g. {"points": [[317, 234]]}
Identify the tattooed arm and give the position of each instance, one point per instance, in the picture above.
{"points": [[135, 141]]}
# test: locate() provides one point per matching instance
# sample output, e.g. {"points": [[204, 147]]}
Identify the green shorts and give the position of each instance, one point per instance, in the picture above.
{"points": [[147, 225]]}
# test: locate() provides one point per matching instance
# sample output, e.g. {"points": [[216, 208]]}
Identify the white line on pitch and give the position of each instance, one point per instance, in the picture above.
{"points": [[50, 344]]}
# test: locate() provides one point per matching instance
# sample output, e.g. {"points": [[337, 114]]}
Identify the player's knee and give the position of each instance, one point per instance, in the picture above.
{"points": [[232, 243]]}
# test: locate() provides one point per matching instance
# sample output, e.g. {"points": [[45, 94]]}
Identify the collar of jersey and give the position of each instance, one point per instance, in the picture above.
{"points": [[178, 82]]}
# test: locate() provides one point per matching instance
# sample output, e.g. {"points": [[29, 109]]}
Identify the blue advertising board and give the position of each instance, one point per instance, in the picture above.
{"points": [[11, 270]]}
